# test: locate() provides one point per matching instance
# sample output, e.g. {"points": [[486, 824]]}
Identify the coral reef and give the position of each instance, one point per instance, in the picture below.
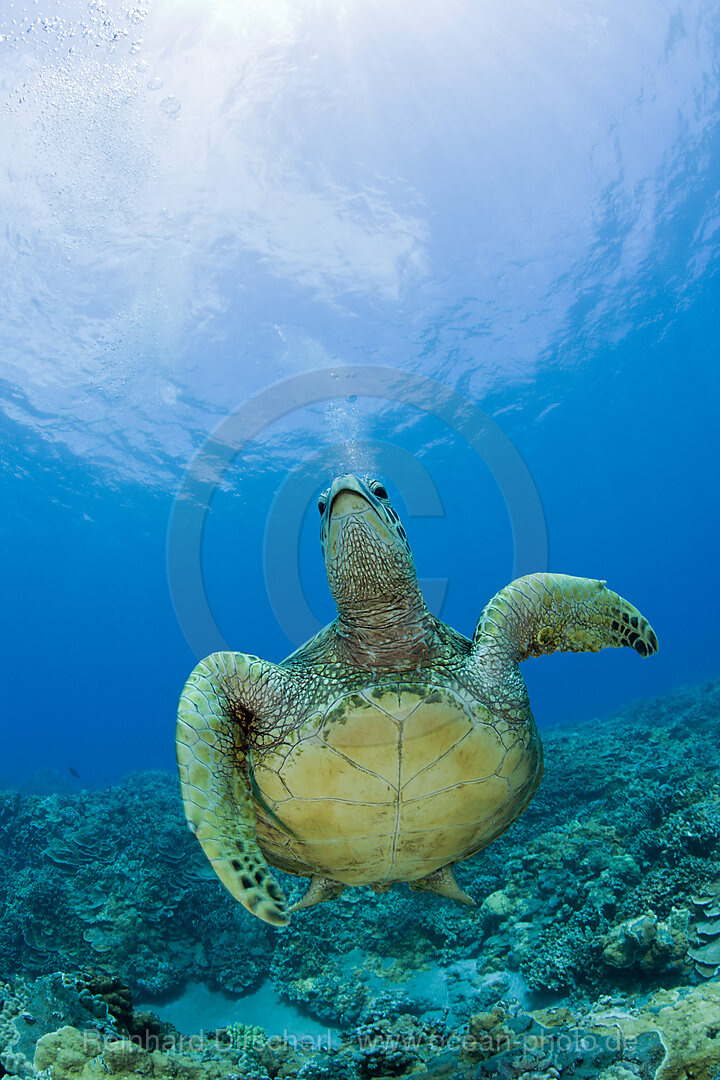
{"points": [[705, 930], [113, 880], [594, 950], [68, 1054], [687, 1021]]}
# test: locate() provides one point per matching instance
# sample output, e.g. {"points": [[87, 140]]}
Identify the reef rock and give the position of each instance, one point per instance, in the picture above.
{"points": [[648, 943]]}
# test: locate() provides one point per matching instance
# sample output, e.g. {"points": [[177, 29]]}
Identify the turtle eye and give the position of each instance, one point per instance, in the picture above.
{"points": [[322, 503], [379, 490]]}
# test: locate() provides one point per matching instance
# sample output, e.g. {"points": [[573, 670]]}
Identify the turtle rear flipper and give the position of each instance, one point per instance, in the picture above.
{"points": [[212, 738], [442, 882], [320, 890]]}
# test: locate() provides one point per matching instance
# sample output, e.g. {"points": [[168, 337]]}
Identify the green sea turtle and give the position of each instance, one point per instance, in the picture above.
{"points": [[389, 746]]}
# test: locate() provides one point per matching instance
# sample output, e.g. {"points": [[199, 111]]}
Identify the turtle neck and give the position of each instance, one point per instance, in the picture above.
{"points": [[392, 633]]}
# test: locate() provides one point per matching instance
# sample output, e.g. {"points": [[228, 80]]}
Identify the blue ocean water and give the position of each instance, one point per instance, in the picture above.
{"points": [[202, 202]]}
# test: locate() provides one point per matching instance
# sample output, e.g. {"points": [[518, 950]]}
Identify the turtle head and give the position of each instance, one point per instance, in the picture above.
{"points": [[370, 567]]}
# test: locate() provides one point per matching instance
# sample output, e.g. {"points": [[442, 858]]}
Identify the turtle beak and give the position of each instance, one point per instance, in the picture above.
{"points": [[366, 558], [347, 496], [349, 501]]}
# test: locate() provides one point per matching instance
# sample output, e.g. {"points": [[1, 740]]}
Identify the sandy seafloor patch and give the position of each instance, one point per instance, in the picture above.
{"points": [[201, 1008]]}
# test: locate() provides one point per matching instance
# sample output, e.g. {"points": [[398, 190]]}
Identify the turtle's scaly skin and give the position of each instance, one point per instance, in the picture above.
{"points": [[390, 746]]}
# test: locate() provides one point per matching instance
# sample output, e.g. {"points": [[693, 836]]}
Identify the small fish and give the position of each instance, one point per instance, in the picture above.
{"points": [[73, 772]]}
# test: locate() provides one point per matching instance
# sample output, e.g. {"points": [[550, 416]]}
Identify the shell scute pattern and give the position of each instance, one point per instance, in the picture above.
{"points": [[274, 787], [419, 766], [513, 758]]}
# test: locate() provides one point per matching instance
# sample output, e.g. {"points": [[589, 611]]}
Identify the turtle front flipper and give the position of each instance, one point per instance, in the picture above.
{"points": [[545, 613], [221, 701]]}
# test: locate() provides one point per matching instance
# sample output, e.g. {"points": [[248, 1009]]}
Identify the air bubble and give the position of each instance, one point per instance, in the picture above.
{"points": [[170, 106], [154, 84]]}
